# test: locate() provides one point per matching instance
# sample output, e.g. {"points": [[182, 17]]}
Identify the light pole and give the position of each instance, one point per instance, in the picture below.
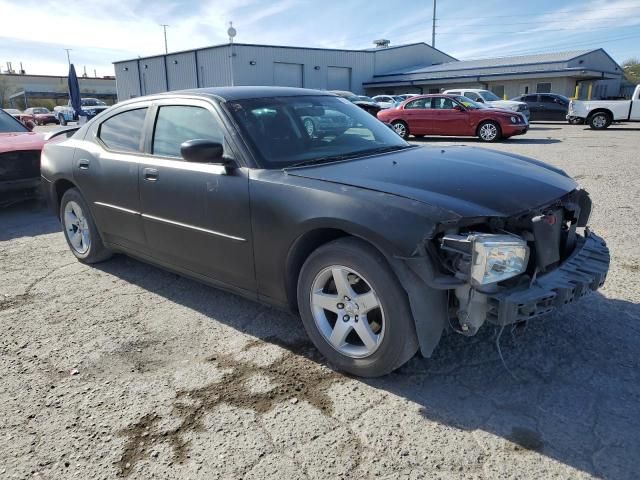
{"points": [[164, 27], [232, 33], [68, 58], [433, 28]]}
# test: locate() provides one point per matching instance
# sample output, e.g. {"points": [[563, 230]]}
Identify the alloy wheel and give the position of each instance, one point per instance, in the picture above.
{"points": [[76, 228], [347, 311], [400, 129], [488, 131], [599, 121]]}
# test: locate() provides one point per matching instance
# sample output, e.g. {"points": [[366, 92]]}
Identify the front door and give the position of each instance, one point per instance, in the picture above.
{"points": [[448, 120], [196, 216], [106, 171]]}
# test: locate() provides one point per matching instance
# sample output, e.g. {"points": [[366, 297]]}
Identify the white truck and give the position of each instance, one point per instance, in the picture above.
{"points": [[599, 114]]}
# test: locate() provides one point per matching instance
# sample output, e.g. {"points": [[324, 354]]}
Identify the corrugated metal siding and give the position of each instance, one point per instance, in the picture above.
{"points": [[387, 60], [213, 67], [287, 74], [153, 75], [181, 71], [339, 78], [127, 81]]}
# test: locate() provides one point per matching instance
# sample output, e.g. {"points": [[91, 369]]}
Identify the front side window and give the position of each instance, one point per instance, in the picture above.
{"points": [[488, 96], [123, 131], [176, 124], [473, 96], [469, 104], [309, 129], [442, 103]]}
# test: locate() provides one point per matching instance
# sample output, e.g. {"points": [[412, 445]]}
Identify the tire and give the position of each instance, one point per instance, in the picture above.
{"points": [[489, 131], [63, 122], [599, 121], [75, 217], [368, 280], [401, 128], [575, 121]]}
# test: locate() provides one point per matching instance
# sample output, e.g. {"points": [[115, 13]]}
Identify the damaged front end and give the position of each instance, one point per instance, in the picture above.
{"points": [[509, 270]]}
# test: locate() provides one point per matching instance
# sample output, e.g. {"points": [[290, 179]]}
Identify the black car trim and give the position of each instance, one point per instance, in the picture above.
{"points": [[193, 227]]}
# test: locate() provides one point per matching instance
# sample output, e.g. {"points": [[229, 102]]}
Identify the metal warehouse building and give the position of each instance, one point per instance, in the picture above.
{"points": [[413, 68]]}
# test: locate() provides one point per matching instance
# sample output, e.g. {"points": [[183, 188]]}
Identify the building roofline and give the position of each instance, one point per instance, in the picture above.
{"points": [[427, 79], [222, 45], [55, 76]]}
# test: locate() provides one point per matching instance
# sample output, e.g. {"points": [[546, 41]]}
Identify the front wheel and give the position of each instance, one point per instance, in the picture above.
{"points": [[63, 122], [401, 128], [80, 230], [354, 309], [489, 132], [600, 121]]}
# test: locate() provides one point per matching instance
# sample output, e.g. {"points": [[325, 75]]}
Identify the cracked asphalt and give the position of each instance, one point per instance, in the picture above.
{"points": [[123, 370]]}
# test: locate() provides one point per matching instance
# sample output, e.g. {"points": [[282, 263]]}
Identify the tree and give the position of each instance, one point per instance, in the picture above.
{"points": [[631, 69]]}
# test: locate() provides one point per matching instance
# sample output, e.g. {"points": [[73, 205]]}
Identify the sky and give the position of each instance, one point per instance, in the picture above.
{"points": [[99, 32]]}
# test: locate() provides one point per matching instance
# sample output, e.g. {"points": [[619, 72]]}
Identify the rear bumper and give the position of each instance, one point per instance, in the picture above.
{"points": [[582, 273]]}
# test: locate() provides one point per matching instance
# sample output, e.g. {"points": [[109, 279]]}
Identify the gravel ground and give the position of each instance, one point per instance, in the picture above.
{"points": [[124, 370]]}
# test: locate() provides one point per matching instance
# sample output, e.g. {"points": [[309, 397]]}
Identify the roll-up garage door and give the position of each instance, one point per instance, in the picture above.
{"points": [[287, 74], [338, 78]]}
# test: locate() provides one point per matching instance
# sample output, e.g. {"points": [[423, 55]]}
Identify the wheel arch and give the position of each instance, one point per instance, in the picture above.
{"points": [[60, 186], [606, 111]]}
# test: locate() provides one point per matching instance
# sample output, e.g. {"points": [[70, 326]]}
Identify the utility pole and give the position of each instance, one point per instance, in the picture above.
{"points": [[164, 27], [68, 58], [433, 28]]}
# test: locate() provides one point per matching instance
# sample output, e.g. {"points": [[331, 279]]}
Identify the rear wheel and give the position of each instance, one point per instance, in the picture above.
{"points": [[600, 120], [401, 128], [489, 131], [80, 230], [354, 309]]}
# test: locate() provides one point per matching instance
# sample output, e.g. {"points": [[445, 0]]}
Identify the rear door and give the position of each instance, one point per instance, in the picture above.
{"points": [[420, 117], [196, 216], [105, 168], [553, 107], [535, 110], [449, 121]]}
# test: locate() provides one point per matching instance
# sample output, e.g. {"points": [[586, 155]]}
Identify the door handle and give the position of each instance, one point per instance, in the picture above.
{"points": [[150, 174], [83, 164]]}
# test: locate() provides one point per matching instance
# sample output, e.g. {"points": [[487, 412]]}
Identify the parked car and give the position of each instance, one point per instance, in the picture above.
{"points": [[90, 107], [365, 103], [545, 106], [491, 99], [385, 101], [41, 115], [23, 117], [19, 159], [379, 244], [453, 116], [599, 114]]}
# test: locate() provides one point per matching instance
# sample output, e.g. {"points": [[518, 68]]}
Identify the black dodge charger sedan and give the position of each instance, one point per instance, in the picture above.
{"points": [[378, 244]]}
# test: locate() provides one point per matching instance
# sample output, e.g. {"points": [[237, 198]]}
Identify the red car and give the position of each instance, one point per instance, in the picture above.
{"points": [[453, 115], [41, 115], [19, 159]]}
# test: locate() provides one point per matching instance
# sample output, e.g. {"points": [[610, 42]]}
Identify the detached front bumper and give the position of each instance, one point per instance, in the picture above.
{"points": [[580, 274]]}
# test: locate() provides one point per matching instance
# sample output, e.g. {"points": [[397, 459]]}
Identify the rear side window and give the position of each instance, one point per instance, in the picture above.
{"points": [[442, 103], [530, 98], [420, 103], [178, 123], [123, 131]]}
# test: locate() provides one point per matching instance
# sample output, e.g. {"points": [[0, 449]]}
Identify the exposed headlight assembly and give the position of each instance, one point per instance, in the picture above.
{"points": [[514, 120], [497, 257], [488, 258]]}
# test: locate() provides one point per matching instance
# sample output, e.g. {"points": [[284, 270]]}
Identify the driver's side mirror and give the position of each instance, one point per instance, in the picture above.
{"points": [[480, 100], [458, 108], [205, 151]]}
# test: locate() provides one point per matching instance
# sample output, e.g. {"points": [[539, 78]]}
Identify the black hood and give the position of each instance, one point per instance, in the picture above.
{"points": [[466, 180]]}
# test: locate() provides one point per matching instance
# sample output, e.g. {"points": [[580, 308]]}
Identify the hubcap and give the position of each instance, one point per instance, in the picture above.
{"points": [[599, 121], [488, 131], [400, 129], [76, 228], [347, 311]]}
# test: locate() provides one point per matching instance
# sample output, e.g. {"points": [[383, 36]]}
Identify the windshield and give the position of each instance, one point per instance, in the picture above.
{"points": [[10, 124], [92, 102], [12, 111], [287, 131], [488, 96], [468, 103]]}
